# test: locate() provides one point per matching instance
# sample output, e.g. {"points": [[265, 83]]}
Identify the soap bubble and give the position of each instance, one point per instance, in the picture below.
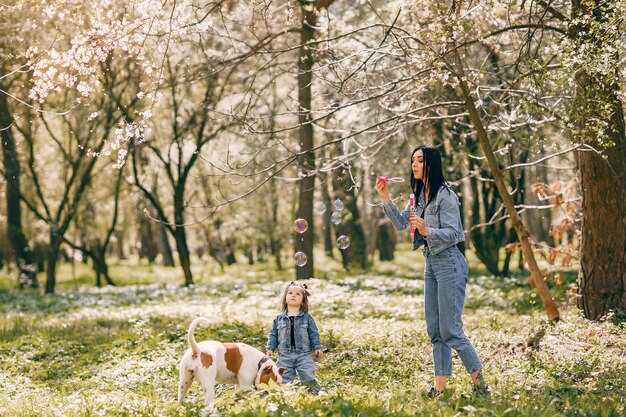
{"points": [[343, 242], [300, 258], [338, 204], [300, 225], [396, 179], [319, 207], [336, 217]]}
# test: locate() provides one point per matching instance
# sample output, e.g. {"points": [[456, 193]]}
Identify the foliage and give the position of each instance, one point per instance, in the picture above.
{"points": [[380, 85], [115, 350]]}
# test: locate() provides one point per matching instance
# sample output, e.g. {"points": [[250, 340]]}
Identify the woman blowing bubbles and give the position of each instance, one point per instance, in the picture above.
{"points": [[437, 223]]}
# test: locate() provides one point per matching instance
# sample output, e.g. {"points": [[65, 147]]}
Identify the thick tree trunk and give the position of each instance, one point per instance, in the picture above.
{"points": [[19, 245], [306, 161], [164, 246], [602, 281]]}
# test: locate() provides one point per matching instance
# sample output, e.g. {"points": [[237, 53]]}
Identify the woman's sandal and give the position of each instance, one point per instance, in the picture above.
{"points": [[433, 393]]}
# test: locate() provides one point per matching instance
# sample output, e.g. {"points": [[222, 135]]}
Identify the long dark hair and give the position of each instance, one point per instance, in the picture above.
{"points": [[432, 172]]}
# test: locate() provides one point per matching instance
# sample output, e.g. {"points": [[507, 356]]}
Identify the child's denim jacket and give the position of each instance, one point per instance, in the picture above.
{"points": [[442, 218], [306, 334]]}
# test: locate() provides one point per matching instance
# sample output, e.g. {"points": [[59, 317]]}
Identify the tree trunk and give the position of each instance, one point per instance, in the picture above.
{"points": [[183, 254], [326, 228], [2, 250], [385, 241], [230, 257], [470, 105], [487, 239], [180, 233], [53, 258], [164, 246], [356, 253], [119, 245], [602, 280], [40, 252], [100, 266], [306, 160], [148, 246], [98, 280], [19, 245]]}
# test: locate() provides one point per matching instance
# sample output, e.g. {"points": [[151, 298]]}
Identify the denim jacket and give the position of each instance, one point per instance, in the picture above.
{"points": [[442, 218], [305, 331]]}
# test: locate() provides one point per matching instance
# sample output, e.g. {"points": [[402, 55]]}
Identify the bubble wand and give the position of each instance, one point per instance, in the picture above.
{"points": [[386, 179], [411, 204]]}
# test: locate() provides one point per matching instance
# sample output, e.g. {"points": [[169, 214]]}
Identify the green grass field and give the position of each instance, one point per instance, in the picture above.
{"points": [[114, 351]]}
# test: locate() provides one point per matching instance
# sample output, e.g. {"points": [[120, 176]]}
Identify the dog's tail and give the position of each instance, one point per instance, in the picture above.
{"points": [[192, 327]]}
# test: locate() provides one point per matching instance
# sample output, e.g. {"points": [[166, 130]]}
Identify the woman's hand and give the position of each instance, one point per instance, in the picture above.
{"points": [[318, 353], [383, 190], [268, 354], [418, 224]]}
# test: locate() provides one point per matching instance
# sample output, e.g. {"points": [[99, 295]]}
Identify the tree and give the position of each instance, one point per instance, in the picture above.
{"points": [[11, 76], [92, 243], [79, 174], [456, 64], [306, 159], [12, 174], [176, 150], [595, 30], [351, 224]]}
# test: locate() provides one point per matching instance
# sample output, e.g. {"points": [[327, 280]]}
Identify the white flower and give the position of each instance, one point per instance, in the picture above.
{"points": [[84, 89]]}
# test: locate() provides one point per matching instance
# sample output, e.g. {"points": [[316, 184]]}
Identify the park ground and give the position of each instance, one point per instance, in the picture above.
{"points": [[114, 351]]}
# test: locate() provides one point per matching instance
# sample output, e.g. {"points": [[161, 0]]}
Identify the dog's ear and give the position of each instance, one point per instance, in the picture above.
{"points": [[281, 370]]}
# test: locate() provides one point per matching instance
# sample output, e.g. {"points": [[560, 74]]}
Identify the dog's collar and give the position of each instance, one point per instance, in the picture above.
{"points": [[261, 362]]}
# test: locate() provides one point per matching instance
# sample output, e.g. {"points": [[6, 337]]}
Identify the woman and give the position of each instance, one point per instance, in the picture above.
{"points": [[436, 220]]}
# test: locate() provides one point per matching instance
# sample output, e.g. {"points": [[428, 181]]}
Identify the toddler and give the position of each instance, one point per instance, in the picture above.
{"points": [[295, 335]]}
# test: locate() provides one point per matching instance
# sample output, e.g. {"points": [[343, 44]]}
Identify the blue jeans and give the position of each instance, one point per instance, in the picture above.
{"points": [[445, 277], [293, 362]]}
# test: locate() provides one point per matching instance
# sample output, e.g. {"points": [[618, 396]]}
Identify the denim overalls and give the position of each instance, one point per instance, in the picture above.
{"points": [[445, 277], [307, 339]]}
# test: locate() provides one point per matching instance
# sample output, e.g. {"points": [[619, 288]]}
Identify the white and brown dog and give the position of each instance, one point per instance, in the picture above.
{"points": [[210, 362]]}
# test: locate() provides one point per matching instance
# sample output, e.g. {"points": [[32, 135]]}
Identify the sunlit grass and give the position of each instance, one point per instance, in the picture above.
{"points": [[114, 351]]}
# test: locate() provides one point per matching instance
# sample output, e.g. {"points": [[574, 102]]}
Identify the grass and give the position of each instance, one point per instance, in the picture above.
{"points": [[114, 351]]}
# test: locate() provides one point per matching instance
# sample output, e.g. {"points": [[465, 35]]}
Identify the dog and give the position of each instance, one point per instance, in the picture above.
{"points": [[210, 362]]}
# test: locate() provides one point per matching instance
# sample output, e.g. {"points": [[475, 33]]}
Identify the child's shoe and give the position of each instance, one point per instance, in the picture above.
{"points": [[313, 387]]}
